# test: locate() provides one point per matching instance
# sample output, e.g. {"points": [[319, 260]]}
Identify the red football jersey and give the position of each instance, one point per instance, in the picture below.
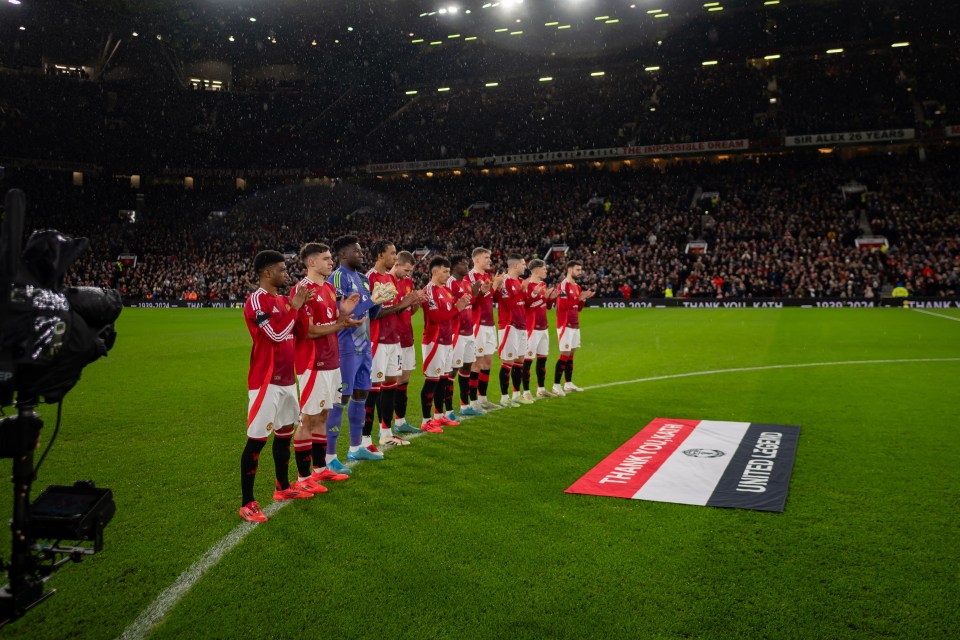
{"points": [[322, 353], [537, 305], [483, 308], [512, 305], [270, 320], [439, 315], [385, 330], [569, 305], [464, 319], [405, 317]]}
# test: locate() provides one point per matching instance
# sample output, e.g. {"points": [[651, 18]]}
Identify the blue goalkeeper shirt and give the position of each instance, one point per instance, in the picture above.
{"points": [[347, 282]]}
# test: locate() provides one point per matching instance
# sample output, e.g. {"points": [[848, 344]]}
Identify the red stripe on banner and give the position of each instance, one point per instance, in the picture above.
{"points": [[255, 409], [623, 472]]}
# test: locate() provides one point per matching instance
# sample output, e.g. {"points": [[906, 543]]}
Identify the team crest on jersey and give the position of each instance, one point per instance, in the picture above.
{"points": [[269, 427], [438, 369], [379, 374], [323, 403], [509, 355], [458, 362]]}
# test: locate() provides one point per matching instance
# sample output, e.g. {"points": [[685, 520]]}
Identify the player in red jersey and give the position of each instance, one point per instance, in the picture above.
{"points": [[569, 302], [317, 363], [539, 299], [440, 311], [464, 347], [272, 394], [484, 330], [512, 322], [385, 332], [402, 269]]}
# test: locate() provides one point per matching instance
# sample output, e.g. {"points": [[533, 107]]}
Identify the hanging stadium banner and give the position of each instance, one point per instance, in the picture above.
{"points": [[709, 146], [612, 153], [952, 132], [416, 165], [850, 137], [741, 465]]}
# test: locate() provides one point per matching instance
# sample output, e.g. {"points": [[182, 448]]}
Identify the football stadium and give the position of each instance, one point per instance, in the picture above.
{"points": [[555, 319]]}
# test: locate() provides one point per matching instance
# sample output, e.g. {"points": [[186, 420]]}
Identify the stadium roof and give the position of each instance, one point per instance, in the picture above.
{"points": [[314, 32]]}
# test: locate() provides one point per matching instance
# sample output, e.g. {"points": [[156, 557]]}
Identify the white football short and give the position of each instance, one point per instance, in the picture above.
{"points": [[408, 358], [319, 390], [568, 338], [513, 343], [271, 407], [538, 343], [437, 359], [485, 340], [464, 350], [387, 362]]}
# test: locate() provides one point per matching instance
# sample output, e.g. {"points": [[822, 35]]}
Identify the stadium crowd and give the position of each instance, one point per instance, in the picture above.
{"points": [[113, 122], [781, 228]]}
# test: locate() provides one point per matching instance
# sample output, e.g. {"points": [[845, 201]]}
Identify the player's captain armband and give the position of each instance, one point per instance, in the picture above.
{"points": [[262, 318]]}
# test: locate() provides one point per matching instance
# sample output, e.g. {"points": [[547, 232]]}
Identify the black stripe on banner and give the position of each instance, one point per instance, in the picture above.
{"points": [[758, 475]]}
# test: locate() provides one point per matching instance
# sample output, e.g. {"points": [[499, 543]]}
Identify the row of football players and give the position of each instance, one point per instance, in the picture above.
{"points": [[346, 340]]}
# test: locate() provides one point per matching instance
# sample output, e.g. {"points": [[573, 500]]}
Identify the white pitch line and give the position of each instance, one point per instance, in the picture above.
{"points": [[939, 315], [144, 623], [691, 374], [169, 597]]}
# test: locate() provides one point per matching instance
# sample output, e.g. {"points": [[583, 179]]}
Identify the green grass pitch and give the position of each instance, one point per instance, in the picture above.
{"points": [[468, 534]]}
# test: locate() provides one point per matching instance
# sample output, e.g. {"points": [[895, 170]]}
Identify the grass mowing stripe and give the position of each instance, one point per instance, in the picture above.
{"points": [[939, 315], [166, 600], [770, 367]]}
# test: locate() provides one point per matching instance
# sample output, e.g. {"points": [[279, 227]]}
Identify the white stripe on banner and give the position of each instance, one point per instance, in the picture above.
{"points": [[691, 473]]}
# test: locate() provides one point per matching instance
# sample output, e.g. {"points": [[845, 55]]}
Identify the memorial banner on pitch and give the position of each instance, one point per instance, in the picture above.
{"points": [[743, 465]]}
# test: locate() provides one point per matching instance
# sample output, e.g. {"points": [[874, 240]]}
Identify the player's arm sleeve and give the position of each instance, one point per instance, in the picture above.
{"points": [[338, 281], [301, 328], [276, 326], [533, 301]]}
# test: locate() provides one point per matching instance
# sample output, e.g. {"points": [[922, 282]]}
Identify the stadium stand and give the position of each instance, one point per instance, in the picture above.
{"points": [[782, 227]]}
